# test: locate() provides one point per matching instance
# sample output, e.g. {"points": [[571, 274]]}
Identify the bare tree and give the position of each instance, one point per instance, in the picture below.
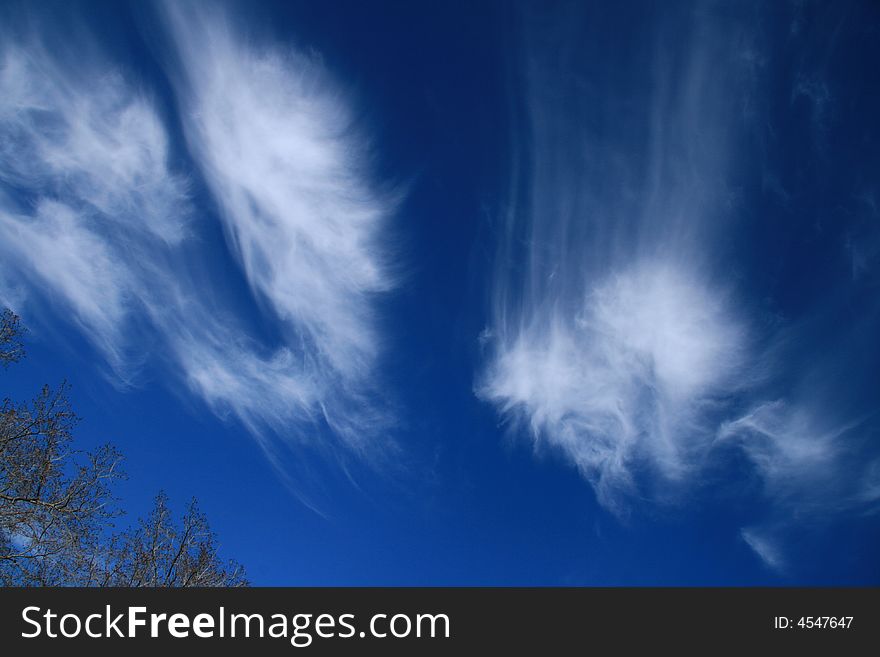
{"points": [[158, 553], [11, 347], [54, 500], [57, 506]]}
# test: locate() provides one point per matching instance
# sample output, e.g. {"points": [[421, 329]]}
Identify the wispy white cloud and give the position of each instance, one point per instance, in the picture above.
{"points": [[787, 446], [628, 380], [276, 140], [619, 334], [765, 548], [619, 338], [83, 160], [94, 220], [85, 134], [56, 250], [806, 461]]}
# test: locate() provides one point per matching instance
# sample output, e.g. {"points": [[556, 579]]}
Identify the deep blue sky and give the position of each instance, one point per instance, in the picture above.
{"points": [[605, 313]]}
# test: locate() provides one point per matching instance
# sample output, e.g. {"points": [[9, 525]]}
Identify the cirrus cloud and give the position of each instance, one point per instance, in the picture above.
{"points": [[100, 221]]}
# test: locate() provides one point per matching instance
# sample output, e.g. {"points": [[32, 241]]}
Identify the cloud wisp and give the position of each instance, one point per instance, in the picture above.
{"points": [[620, 332], [619, 338], [628, 380], [276, 141], [96, 220], [84, 168]]}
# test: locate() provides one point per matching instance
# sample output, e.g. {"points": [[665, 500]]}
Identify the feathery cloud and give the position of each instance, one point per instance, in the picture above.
{"points": [[628, 379], [276, 140], [94, 217], [86, 185], [618, 334]]}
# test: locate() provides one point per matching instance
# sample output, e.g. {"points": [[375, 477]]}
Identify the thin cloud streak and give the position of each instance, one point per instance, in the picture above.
{"points": [[765, 548]]}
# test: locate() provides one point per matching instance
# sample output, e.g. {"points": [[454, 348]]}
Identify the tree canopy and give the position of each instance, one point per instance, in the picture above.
{"points": [[57, 508]]}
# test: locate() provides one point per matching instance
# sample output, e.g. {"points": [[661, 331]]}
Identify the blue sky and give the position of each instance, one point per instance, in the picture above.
{"points": [[463, 293]]}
